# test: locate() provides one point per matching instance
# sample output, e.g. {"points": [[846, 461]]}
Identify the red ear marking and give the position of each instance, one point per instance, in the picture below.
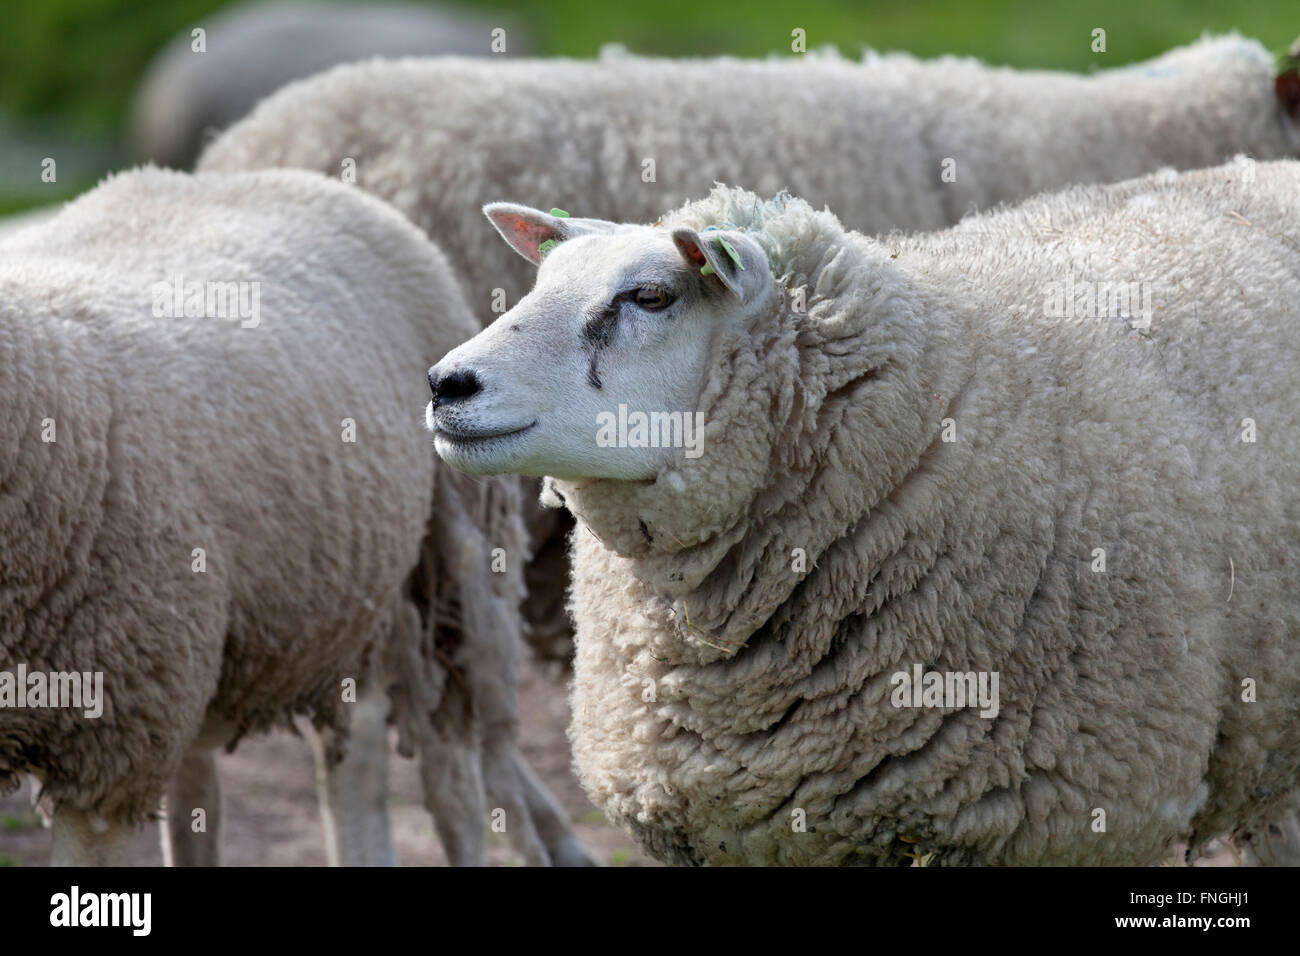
{"points": [[512, 222], [527, 229], [530, 233]]}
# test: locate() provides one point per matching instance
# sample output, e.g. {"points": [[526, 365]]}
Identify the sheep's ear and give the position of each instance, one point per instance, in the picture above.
{"points": [[528, 230], [730, 258]]}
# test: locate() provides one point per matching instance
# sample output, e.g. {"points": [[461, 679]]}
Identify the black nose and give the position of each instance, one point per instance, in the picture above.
{"points": [[454, 386]]}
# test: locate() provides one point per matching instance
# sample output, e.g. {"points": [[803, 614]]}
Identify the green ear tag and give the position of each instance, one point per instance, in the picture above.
{"points": [[730, 250], [560, 212], [545, 247], [706, 270]]}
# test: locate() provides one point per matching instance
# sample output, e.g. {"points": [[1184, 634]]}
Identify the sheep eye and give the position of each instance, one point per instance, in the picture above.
{"points": [[652, 298]]}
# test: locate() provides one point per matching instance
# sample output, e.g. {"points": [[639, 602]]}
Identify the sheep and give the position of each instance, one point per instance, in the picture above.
{"points": [[22, 220], [875, 140], [870, 139], [938, 565], [217, 508], [198, 84]]}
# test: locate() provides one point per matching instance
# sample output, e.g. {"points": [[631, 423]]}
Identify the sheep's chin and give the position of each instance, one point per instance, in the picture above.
{"points": [[502, 454]]}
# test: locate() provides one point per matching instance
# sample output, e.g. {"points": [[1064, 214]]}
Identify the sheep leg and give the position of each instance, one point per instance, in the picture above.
{"points": [[454, 795], [85, 839], [435, 724], [549, 818], [196, 786], [353, 791], [505, 789], [489, 662]]}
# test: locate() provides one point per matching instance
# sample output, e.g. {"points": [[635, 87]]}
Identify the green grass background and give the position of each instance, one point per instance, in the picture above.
{"points": [[68, 67]]}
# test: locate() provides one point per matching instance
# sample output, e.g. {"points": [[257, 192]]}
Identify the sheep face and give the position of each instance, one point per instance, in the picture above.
{"points": [[597, 372]]}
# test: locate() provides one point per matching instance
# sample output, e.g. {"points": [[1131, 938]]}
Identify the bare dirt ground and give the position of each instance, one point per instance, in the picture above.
{"points": [[271, 818]]}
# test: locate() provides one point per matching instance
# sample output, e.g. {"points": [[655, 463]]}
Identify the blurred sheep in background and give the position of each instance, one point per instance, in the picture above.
{"points": [[252, 49]]}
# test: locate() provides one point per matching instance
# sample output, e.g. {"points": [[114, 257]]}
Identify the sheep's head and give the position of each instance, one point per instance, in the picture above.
{"points": [[618, 331]]}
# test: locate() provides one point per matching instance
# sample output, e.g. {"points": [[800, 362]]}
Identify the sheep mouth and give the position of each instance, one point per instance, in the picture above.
{"points": [[470, 436]]}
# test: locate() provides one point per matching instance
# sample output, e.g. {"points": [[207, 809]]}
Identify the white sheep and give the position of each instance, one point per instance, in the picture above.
{"points": [[201, 82], [9, 225], [891, 142], [217, 508], [983, 547]]}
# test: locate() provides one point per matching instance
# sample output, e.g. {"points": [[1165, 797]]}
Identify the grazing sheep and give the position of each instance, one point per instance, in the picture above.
{"points": [[918, 456], [253, 49], [439, 137], [215, 496]]}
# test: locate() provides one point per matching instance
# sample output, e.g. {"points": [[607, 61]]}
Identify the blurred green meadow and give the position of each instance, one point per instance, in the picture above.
{"points": [[68, 67]]}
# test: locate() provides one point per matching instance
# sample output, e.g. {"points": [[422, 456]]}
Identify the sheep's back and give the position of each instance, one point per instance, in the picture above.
{"points": [[254, 545]]}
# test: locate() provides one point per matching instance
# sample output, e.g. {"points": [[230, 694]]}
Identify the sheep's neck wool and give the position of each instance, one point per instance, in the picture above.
{"points": [[722, 542], [924, 475]]}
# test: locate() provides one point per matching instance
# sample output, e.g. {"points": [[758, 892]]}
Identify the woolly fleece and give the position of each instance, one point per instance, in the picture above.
{"points": [[720, 687], [440, 137], [182, 433]]}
